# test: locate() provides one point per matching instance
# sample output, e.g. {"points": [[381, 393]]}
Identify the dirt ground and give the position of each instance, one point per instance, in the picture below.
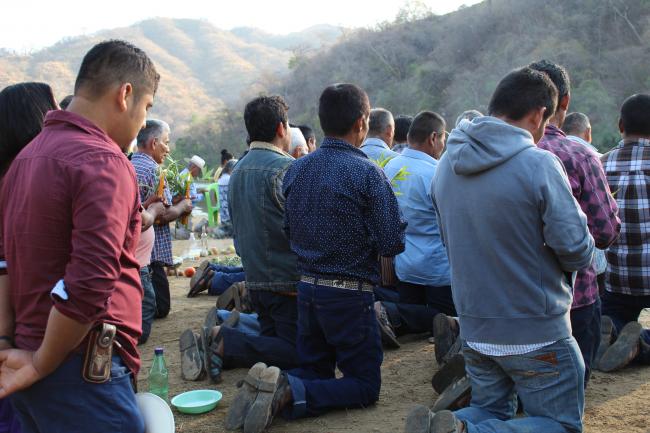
{"points": [[615, 402]]}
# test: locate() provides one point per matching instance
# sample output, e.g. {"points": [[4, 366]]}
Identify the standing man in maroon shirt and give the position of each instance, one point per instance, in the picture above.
{"points": [[70, 223]]}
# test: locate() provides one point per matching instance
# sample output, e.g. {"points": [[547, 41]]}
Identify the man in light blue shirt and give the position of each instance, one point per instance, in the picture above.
{"points": [[381, 130], [424, 285], [577, 128]]}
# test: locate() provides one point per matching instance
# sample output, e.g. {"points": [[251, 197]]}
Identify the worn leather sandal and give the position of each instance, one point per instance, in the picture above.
{"points": [[213, 362], [200, 280], [260, 414], [211, 318], [191, 357], [244, 398]]}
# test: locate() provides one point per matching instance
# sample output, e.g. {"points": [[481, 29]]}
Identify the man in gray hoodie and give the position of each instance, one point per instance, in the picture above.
{"points": [[514, 235]]}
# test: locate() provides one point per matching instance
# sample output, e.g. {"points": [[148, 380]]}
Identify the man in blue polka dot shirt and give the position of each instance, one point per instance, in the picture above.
{"points": [[341, 216]]}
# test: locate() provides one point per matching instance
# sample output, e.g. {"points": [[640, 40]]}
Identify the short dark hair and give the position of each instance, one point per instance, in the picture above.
{"points": [[307, 132], [558, 75], [380, 119], [635, 115], [22, 109], [65, 102], [153, 129], [262, 116], [575, 123], [522, 91], [402, 125], [339, 106], [425, 124], [116, 62], [225, 156]]}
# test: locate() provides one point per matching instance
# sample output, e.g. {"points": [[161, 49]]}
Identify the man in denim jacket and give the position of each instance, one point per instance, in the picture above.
{"points": [[257, 214]]}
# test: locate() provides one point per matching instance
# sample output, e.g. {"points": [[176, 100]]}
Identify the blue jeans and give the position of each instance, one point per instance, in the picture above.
{"points": [[247, 324], [276, 342], [626, 308], [585, 328], [63, 402], [8, 420], [336, 328], [417, 306], [385, 294], [549, 382], [221, 281], [148, 304]]}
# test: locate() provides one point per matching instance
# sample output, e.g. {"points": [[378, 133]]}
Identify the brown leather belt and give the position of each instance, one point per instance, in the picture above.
{"points": [[339, 284]]}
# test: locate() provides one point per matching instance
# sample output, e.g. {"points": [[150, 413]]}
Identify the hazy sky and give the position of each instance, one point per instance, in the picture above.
{"points": [[33, 24]]}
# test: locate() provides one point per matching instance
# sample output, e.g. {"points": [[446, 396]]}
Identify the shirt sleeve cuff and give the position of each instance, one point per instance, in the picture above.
{"points": [[58, 291]]}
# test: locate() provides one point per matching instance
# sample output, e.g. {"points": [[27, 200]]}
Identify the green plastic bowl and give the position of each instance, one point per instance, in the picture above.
{"points": [[197, 401]]}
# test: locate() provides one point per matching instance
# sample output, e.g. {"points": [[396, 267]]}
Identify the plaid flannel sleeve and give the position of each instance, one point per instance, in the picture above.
{"points": [[598, 203]]}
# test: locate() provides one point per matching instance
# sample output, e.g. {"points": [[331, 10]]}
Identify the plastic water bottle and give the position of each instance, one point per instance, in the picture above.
{"points": [[195, 248], [204, 243], [159, 376]]}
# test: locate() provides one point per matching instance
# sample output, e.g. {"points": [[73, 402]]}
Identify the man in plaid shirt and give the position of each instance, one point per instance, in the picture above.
{"points": [[153, 147], [589, 187], [627, 278]]}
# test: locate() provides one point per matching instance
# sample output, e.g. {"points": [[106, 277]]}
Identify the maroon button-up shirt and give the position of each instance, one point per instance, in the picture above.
{"points": [[69, 209], [589, 187]]}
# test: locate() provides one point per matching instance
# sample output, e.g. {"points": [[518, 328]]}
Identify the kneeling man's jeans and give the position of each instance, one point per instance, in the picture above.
{"points": [[549, 382], [336, 328], [64, 403]]}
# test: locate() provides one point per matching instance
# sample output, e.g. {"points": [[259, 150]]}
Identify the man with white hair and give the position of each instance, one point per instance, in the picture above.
{"points": [[153, 147], [298, 147], [195, 168], [381, 130], [577, 127]]}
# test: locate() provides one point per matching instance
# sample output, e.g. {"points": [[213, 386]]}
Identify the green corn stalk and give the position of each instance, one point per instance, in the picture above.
{"points": [[400, 176], [176, 182]]}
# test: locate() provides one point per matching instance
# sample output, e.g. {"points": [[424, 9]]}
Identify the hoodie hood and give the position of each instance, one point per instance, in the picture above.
{"points": [[483, 143]]}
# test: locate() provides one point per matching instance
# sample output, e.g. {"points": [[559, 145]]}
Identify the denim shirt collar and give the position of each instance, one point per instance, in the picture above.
{"points": [[268, 146], [336, 143]]}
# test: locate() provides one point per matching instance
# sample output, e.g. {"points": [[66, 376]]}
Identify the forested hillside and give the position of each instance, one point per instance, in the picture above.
{"points": [[452, 63], [446, 63], [203, 68]]}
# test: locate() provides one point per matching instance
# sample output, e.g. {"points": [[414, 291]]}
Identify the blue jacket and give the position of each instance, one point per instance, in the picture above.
{"points": [[512, 229], [424, 261], [257, 215]]}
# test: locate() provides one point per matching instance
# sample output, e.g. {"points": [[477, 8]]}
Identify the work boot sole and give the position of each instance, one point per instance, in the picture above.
{"points": [[449, 373], [453, 395], [191, 358], [444, 422], [244, 398], [606, 337], [418, 420], [260, 414], [443, 336], [624, 349]]}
